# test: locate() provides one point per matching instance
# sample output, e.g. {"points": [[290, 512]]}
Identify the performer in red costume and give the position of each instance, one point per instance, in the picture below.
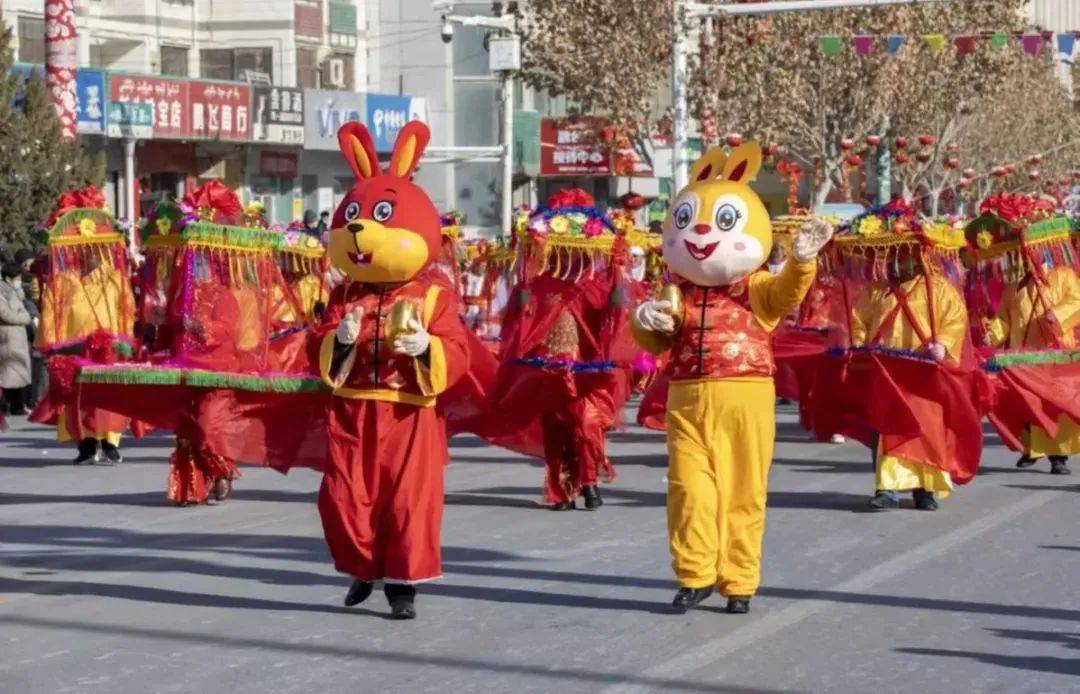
{"points": [[566, 347], [390, 344]]}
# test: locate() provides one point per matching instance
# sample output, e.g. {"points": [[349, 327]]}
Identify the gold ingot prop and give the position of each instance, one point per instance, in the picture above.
{"points": [[673, 296], [401, 315]]}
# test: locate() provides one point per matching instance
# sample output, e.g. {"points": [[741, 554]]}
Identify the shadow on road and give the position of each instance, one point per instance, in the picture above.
{"points": [[153, 498], [1031, 663], [364, 651]]}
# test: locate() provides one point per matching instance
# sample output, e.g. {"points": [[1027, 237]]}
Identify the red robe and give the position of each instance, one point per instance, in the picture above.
{"points": [[564, 378], [381, 499]]}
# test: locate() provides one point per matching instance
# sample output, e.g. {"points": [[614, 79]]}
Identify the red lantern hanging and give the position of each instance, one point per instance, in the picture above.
{"points": [[923, 158], [926, 140], [901, 142], [969, 173], [846, 144], [962, 184], [1000, 172], [952, 163], [770, 150], [854, 161], [1034, 176], [901, 158], [873, 141], [1035, 160], [734, 140]]}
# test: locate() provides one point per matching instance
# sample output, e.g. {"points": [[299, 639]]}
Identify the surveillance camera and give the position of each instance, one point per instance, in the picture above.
{"points": [[447, 32]]}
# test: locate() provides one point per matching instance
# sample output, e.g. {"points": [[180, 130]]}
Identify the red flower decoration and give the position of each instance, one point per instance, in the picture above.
{"points": [[88, 197], [217, 198], [98, 348], [572, 197]]}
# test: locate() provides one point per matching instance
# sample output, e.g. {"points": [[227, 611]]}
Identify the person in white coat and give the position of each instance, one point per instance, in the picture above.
{"points": [[14, 345]]}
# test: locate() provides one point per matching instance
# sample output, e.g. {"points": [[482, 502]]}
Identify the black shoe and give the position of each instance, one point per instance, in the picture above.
{"points": [[592, 497], [359, 591], [689, 598], [1026, 461], [112, 453], [564, 506], [88, 452], [1059, 465], [924, 500], [884, 502], [401, 598], [738, 604], [18, 412]]}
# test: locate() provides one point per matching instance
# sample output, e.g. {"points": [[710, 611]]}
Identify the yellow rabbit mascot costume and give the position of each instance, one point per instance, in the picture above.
{"points": [[720, 411]]}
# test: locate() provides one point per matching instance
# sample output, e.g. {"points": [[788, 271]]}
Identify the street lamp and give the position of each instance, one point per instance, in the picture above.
{"points": [[686, 10], [504, 58]]}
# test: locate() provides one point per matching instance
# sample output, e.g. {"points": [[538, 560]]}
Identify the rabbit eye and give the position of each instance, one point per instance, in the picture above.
{"points": [[352, 211], [383, 210]]}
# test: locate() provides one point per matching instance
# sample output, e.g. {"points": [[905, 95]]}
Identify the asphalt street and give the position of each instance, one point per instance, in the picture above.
{"points": [[105, 587]]}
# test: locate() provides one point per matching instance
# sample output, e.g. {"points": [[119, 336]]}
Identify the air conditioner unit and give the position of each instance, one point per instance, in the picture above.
{"points": [[335, 72]]}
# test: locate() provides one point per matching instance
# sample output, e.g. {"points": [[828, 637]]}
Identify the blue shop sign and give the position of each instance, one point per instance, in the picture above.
{"points": [[386, 115], [90, 101]]}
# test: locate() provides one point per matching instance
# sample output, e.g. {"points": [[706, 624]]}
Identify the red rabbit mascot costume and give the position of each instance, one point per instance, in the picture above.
{"points": [[391, 343], [720, 406]]}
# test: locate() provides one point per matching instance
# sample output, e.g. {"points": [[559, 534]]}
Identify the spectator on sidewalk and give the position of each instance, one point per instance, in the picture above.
{"points": [[14, 345]]}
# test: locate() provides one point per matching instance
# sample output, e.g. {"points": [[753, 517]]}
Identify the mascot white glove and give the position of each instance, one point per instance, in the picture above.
{"points": [[655, 316], [937, 351], [414, 343], [348, 330], [811, 238]]}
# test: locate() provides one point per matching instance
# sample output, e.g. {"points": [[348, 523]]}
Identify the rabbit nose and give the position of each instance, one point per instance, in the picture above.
{"points": [[702, 228], [355, 227]]}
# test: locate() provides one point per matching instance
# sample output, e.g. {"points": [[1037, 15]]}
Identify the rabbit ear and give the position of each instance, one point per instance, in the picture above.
{"points": [[709, 166], [743, 163], [410, 145], [358, 148]]}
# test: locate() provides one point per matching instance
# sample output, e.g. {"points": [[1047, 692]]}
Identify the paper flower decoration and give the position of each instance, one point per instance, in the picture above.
{"points": [[87, 227], [871, 226], [985, 239], [311, 242], [559, 225], [538, 229], [593, 227], [163, 225]]}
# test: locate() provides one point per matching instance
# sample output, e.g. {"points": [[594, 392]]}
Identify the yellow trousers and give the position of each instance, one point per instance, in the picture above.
{"points": [[720, 445], [64, 436], [902, 475], [1067, 442]]}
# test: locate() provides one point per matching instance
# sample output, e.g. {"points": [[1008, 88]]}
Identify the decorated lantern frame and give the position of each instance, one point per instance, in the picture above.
{"points": [[86, 281]]}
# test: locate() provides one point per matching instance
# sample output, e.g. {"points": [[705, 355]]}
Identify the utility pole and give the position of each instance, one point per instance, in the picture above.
{"points": [[505, 59], [686, 11]]}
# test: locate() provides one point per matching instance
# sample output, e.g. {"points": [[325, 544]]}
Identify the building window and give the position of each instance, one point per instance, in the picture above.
{"points": [[252, 64], [307, 69], [31, 40], [242, 64], [174, 61], [216, 63]]}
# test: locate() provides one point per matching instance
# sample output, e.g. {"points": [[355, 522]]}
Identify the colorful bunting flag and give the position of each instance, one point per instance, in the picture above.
{"points": [[831, 45], [999, 40], [936, 42], [863, 44], [895, 43], [964, 44], [1032, 43], [1066, 43]]}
